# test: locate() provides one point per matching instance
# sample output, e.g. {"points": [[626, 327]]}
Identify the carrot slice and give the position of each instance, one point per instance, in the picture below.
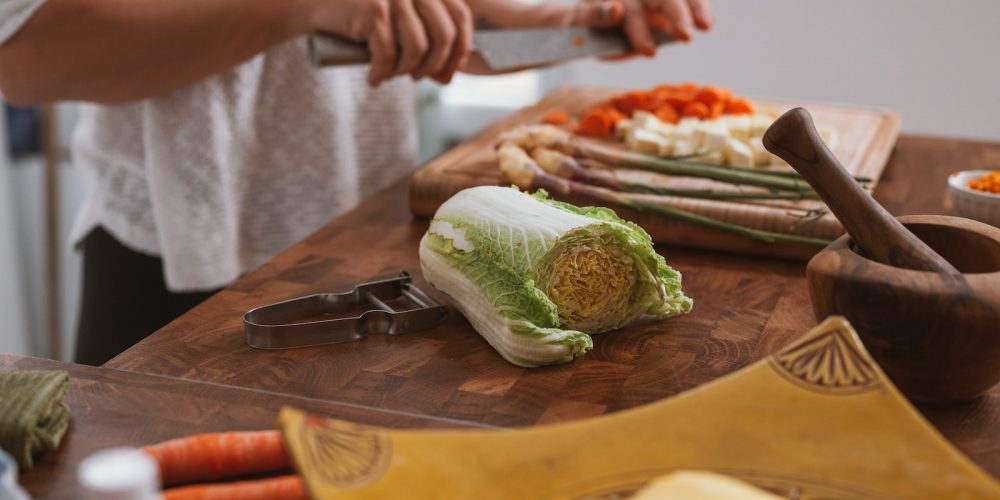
{"points": [[556, 117], [711, 95], [715, 110], [696, 109], [278, 488], [739, 106], [596, 123], [667, 114]]}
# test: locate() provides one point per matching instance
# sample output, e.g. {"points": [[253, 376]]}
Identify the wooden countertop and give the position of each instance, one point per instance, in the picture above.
{"points": [[111, 407], [745, 308]]}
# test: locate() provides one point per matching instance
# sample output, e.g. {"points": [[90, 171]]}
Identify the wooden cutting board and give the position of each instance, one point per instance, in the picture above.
{"points": [[866, 137]]}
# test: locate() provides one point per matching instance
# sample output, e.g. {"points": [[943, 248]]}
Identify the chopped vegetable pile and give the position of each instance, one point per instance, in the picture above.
{"points": [[989, 183], [535, 276], [667, 102]]}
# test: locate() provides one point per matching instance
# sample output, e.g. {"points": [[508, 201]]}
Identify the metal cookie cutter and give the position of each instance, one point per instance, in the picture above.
{"points": [[288, 324]]}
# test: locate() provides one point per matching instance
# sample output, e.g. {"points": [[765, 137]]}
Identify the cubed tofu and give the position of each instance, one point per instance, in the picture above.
{"points": [[759, 124], [645, 119], [715, 138], [829, 135], [684, 147], [622, 128], [739, 127], [761, 156], [667, 147], [738, 153], [646, 141], [664, 129]]}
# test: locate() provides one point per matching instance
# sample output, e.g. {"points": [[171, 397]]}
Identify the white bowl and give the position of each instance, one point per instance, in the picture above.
{"points": [[972, 203]]}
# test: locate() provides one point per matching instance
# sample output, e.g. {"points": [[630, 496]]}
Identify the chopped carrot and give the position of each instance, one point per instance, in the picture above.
{"points": [[667, 114], [667, 102], [711, 95], [219, 455], [632, 101], [556, 117], [288, 487], [989, 183], [696, 109], [596, 123], [739, 106], [715, 110]]}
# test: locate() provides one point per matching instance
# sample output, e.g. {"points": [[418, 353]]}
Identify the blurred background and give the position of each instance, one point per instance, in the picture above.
{"points": [[933, 61]]}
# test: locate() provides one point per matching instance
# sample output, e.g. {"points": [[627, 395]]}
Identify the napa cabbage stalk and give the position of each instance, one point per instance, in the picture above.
{"points": [[536, 276]]}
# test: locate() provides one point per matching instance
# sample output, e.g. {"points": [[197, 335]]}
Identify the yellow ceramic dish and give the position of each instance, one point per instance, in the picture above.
{"points": [[817, 420]]}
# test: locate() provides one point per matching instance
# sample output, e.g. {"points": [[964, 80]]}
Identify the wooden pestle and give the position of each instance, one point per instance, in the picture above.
{"points": [[875, 231]]}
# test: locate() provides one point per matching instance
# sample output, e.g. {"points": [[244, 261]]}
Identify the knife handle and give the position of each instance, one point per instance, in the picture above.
{"points": [[328, 50]]}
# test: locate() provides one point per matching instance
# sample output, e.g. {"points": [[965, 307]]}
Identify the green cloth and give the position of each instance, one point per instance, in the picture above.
{"points": [[33, 417]]}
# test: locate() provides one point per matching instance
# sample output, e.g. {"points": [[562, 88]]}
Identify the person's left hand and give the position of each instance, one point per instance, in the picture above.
{"points": [[638, 18]]}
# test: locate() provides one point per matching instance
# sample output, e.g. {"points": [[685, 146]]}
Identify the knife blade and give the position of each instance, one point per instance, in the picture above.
{"points": [[500, 49]]}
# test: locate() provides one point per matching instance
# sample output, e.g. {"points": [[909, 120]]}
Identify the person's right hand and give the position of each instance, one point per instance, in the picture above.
{"points": [[415, 37]]}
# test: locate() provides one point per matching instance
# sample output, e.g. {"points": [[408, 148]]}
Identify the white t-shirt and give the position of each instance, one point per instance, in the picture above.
{"points": [[221, 176]]}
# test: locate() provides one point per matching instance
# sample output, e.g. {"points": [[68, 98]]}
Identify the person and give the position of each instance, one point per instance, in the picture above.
{"points": [[215, 144]]}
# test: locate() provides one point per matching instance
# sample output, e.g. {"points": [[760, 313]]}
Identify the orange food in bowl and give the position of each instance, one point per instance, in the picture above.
{"points": [[989, 183]]}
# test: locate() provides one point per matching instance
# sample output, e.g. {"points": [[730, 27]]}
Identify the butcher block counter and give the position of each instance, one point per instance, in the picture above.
{"points": [[197, 374], [745, 308]]}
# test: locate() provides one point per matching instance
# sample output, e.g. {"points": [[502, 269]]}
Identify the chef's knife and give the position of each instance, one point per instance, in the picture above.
{"points": [[500, 49]]}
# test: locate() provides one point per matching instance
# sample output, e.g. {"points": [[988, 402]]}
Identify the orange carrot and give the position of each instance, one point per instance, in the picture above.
{"points": [[667, 114], [696, 109], [556, 117], [219, 455], [631, 101], [277, 488], [710, 95], [739, 106], [715, 110], [596, 123]]}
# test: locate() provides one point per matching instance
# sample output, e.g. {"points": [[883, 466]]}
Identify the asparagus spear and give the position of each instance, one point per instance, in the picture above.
{"points": [[592, 172], [519, 168]]}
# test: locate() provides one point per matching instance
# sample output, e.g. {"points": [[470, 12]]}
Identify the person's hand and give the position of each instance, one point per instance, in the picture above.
{"points": [[415, 37], [638, 18], [678, 18]]}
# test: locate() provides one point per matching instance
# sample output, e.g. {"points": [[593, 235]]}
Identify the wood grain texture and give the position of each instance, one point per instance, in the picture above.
{"points": [[110, 408], [941, 342], [866, 138], [745, 308]]}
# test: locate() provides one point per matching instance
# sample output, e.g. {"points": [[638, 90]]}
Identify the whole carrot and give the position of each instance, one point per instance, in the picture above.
{"points": [[219, 455], [288, 487]]}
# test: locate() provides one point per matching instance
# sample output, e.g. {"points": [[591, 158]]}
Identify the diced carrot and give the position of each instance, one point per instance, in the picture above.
{"points": [[739, 106], [556, 117], [711, 95], [595, 123], [277, 488], [630, 102], [715, 110], [689, 86], [219, 455], [696, 109], [679, 99], [667, 114]]}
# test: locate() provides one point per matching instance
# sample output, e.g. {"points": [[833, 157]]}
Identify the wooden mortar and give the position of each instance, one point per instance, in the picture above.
{"points": [[937, 338], [923, 292]]}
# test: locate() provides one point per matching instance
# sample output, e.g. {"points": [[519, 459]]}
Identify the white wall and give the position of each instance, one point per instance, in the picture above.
{"points": [[13, 318], [935, 61]]}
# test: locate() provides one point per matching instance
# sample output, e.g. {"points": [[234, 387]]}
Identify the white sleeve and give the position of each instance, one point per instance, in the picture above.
{"points": [[13, 15]]}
